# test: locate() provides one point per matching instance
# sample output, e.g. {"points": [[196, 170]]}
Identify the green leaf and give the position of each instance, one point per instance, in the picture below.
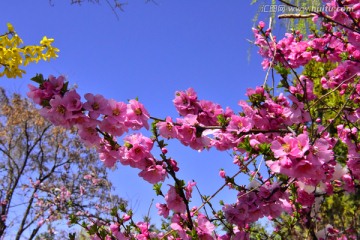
{"points": [[72, 236], [344, 56], [221, 120], [122, 207], [93, 229], [245, 144], [157, 188], [264, 148], [103, 233], [73, 219], [39, 78], [113, 211], [281, 69], [64, 89]]}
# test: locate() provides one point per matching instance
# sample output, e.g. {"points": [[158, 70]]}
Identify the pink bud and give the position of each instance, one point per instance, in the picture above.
{"points": [[126, 217], [222, 173], [114, 228], [164, 150], [173, 164], [87, 177], [261, 25]]}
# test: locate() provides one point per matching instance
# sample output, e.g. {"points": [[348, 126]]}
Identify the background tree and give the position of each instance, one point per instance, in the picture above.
{"points": [[288, 10], [114, 5], [341, 210], [45, 174]]}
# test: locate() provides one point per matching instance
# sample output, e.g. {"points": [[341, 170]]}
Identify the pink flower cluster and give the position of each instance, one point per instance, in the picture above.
{"points": [[99, 121], [286, 130], [265, 200], [297, 159], [203, 126], [340, 45]]}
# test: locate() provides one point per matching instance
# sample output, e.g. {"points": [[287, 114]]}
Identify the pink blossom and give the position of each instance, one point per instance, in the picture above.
{"points": [[240, 124], [167, 129], [137, 148], [321, 149], [304, 198], [188, 189], [55, 83], [117, 110], [348, 183], [308, 167], [137, 115], [174, 201], [236, 214], [113, 126], [354, 39], [96, 105], [208, 112], [87, 131], [354, 166], [144, 228], [189, 135], [95, 181], [177, 225], [72, 101], [109, 154], [186, 102], [295, 113], [38, 95], [47, 90], [58, 113], [163, 210], [290, 146], [204, 227], [224, 140], [153, 174]]}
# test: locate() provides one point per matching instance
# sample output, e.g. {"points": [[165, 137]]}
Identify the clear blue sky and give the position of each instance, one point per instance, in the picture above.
{"points": [[150, 52]]}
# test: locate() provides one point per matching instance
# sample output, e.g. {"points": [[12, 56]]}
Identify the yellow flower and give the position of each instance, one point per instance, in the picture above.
{"points": [[13, 56]]}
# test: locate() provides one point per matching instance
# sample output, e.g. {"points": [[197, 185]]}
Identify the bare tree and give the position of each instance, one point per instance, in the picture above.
{"points": [[46, 175], [115, 5]]}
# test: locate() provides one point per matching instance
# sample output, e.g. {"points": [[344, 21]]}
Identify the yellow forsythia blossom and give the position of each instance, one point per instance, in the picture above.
{"points": [[13, 55]]}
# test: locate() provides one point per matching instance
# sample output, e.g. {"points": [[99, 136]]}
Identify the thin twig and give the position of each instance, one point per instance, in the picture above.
{"points": [[333, 90], [340, 111], [296, 15]]}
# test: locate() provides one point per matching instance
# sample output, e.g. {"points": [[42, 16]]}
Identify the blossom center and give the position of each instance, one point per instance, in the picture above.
{"points": [[61, 109], [96, 106], [138, 111], [169, 126], [286, 147], [116, 112]]}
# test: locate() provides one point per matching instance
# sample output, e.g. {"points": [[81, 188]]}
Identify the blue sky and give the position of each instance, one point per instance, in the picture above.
{"points": [[150, 52]]}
